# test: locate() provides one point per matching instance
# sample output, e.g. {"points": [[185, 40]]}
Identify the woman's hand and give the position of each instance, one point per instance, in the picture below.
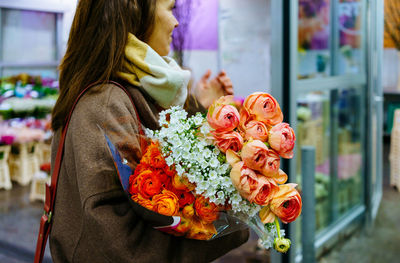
{"points": [[207, 91]]}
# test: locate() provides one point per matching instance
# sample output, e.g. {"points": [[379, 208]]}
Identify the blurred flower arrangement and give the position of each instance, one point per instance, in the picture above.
{"points": [[24, 130], [313, 24], [24, 96], [350, 23]]}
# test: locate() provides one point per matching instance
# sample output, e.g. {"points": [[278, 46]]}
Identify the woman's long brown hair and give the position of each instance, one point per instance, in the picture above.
{"points": [[96, 46]]}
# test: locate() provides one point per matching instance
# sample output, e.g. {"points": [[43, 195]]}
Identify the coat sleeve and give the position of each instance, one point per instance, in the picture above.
{"points": [[112, 224]]}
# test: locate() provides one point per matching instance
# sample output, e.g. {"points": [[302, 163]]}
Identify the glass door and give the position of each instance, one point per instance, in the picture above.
{"points": [[329, 88]]}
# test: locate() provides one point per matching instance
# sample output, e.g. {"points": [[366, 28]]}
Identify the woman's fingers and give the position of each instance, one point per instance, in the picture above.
{"points": [[226, 83]]}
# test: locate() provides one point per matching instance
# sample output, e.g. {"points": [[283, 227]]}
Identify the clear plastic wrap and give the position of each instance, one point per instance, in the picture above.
{"points": [[195, 218]]}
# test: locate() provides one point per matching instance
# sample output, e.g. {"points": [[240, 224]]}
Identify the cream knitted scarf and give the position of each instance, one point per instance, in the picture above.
{"points": [[160, 77]]}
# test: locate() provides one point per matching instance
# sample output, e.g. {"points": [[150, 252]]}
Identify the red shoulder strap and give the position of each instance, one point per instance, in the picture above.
{"points": [[45, 221]]}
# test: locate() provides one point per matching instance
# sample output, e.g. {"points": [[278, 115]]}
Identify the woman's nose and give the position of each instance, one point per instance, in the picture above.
{"points": [[176, 22]]}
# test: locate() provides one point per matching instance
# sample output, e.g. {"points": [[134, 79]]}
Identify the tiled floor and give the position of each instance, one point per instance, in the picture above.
{"points": [[19, 224], [19, 221]]}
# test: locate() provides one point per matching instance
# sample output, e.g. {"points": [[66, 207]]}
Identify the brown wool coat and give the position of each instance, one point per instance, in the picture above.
{"points": [[93, 219]]}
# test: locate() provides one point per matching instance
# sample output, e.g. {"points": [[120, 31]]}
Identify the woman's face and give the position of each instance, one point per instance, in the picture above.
{"points": [[165, 22]]}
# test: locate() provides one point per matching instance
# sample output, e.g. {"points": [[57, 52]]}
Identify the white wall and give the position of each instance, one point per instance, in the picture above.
{"points": [[390, 69], [244, 46], [67, 20]]}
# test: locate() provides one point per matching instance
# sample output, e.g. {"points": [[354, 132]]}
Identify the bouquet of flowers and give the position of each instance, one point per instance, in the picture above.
{"points": [[214, 172]]}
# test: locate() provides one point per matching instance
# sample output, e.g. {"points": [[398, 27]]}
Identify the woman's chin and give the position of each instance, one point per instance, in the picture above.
{"points": [[164, 52]]}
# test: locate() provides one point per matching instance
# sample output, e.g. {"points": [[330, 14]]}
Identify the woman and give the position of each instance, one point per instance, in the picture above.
{"points": [[93, 220]]}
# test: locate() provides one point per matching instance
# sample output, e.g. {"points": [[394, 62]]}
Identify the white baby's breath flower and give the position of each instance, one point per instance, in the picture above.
{"points": [[169, 161], [205, 129], [179, 169], [213, 176], [198, 119], [214, 162], [149, 133], [186, 144], [206, 153]]}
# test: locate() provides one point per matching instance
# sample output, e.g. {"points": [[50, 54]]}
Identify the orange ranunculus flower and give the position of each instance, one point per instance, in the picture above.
{"points": [[228, 141], [286, 203], [169, 170], [256, 130], [133, 185], [152, 157], [135, 179], [168, 185], [149, 184], [183, 227], [282, 139], [166, 203], [146, 158], [266, 215], [264, 108], [139, 169], [201, 231], [188, 211], [207, 211], [161, 175], [156, 158], [255, 154], [184, 197], [182, 183], [146, 203]]}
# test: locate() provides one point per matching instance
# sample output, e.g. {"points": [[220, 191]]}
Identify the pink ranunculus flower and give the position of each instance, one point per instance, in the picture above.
{"points": [[281, 139], [264, 107], [228, 140], [267, 187], [281, 177], [256, 130], [223, 116], [255, 154], [271, 167], [244, 118], [232, 157], [254, 187], [244, 179]]}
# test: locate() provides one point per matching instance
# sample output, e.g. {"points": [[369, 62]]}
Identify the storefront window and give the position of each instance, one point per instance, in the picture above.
{"points": [[28, 36], [350, 50], [314, 38], [349, 160], [313, 116], [331, 122]]}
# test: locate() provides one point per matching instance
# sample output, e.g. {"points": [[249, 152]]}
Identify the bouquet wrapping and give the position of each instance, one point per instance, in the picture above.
{"points": [[218, 172]]}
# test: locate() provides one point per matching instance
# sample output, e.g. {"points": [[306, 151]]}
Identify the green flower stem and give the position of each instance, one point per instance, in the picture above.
{"points": [[280, 244], [278, 228]]}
